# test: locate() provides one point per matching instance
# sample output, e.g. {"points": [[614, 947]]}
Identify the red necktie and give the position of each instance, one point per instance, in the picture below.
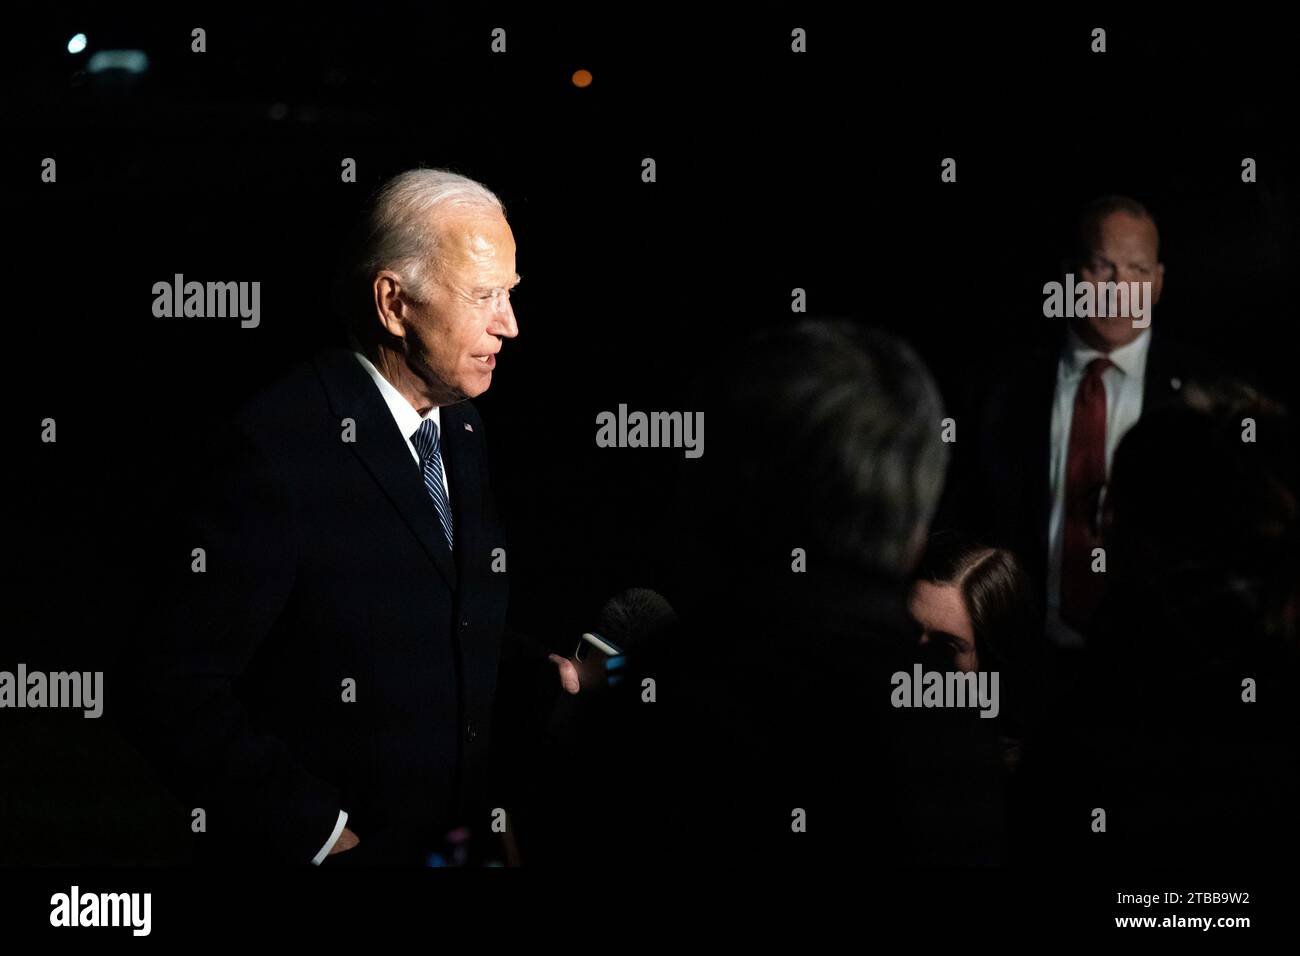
{"points": [[1085, 477]]}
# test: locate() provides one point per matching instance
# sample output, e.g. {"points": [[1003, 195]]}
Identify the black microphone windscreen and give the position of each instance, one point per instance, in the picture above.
{"points": [[638, 614]]}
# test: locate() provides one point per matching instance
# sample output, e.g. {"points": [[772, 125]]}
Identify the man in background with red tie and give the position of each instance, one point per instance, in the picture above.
{"points": [[1100, 378], [1031, 472]]}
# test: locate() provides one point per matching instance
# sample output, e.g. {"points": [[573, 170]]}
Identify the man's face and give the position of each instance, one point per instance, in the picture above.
{"points": [[456, 327], [1125, 249]]}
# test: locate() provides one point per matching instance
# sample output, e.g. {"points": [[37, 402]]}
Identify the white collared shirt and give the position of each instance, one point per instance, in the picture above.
{"points": [[407, 418], [1123, 381]]}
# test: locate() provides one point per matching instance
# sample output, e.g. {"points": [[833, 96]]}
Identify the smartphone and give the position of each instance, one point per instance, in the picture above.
{"points": [[600, 662]]}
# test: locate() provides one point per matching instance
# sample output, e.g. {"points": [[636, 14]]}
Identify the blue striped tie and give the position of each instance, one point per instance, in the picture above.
{"points": [[425, 441]]}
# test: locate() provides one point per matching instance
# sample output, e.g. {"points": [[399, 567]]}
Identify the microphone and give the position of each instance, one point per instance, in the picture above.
{"points": [[636, 616], [631, 623]]}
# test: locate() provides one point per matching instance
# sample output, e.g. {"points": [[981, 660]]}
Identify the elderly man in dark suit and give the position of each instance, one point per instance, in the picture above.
{"points": [[322, 679]]}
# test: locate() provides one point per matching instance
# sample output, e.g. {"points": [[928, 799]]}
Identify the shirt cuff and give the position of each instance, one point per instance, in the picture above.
{"points": [[338, 828]]}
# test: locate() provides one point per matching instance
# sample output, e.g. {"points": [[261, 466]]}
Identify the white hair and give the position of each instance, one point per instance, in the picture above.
{"points": [[401, 229]]}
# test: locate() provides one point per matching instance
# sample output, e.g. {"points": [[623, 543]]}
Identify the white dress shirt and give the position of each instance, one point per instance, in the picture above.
{"points": [[407, 418], [1123, 381], [408, 421]]}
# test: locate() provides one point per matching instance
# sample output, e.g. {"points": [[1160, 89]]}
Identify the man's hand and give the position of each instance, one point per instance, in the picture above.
{"points": [[568, 673], [346, 841]]}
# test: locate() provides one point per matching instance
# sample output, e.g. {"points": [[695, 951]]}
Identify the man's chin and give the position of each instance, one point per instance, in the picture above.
{"points": [[1111, 333], [475, 388], [1128, 335]]}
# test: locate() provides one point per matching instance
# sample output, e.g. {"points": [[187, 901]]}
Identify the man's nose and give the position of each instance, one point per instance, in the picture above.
{"points": [[503, 322]]}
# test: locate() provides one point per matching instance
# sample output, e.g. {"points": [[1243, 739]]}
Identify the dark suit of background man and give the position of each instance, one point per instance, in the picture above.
{"points": [[349, 533], [1046, 429]]}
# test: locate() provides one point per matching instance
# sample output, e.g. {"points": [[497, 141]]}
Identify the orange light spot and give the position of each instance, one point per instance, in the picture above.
{"points": [[581, 78]]}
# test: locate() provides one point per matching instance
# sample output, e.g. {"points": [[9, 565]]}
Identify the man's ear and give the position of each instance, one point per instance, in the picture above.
{"points": [[1158, 285], [390, 308]]}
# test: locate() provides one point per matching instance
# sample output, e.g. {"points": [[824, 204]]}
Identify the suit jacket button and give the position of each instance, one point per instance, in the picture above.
{"points": [[471, 732]]}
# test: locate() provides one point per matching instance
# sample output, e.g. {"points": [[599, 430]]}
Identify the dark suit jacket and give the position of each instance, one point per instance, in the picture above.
{"points": [[999, 486], [325, 564]]}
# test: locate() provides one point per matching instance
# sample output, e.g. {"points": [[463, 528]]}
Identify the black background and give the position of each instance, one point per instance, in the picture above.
{"points": [[775, 171]]}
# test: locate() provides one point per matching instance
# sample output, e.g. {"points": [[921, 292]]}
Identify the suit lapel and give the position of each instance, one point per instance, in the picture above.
{"points": [[385, 452], [1162, 380]]}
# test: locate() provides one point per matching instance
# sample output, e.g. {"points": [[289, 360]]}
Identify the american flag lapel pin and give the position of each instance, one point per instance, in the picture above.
{"points": [[468, 427]]}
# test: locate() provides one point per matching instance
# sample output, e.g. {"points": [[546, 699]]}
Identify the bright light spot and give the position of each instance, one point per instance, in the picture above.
{"points": [[77, 43]]}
